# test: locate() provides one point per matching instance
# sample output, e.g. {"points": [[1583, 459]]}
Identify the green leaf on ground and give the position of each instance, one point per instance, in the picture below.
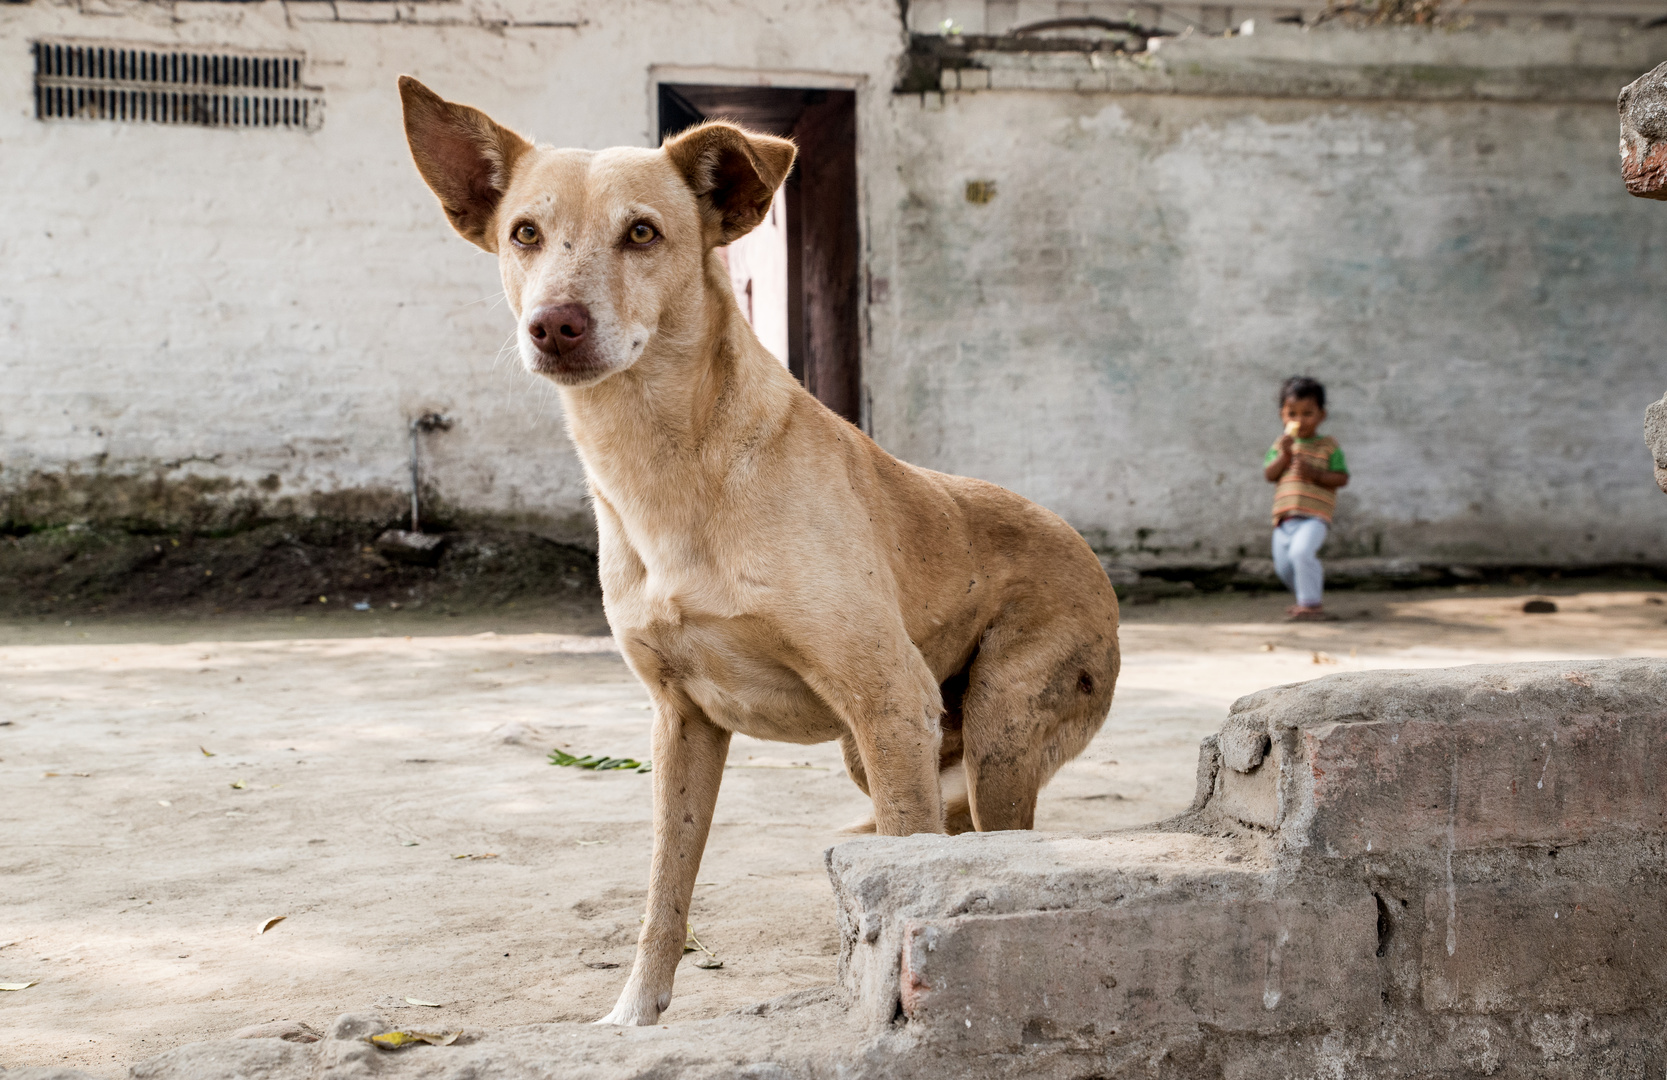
{"points": [[598, 763]]}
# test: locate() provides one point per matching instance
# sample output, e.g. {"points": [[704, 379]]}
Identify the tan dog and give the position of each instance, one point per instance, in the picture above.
{"points": [[766, 568]]}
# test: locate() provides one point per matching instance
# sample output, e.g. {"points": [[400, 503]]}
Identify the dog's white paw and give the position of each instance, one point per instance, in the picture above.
{"points": [[622, 1018]]}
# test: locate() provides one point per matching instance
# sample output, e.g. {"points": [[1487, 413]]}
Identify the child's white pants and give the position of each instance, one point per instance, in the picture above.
{"points": [[1296, 557]]}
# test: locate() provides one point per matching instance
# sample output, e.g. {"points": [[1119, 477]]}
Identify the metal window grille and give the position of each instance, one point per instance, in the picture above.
{"points": [[127, 84]]}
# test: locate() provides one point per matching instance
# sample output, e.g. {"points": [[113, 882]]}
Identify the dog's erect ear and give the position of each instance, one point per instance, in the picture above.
{"points": [[734, 174], [463, 155]]}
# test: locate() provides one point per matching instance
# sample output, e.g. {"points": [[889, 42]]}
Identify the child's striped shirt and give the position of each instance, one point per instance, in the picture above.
{"points": [[1295, 497]]}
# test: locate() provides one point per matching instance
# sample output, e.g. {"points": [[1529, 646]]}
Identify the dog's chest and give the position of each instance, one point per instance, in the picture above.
{"points": [[706, 624], [727, 668]]}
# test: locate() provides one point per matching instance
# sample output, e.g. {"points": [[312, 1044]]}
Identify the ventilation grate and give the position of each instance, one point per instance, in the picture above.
{"points": [[85, 81]]}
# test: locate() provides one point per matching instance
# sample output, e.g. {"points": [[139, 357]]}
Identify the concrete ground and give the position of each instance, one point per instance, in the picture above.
{"points": [[379, 781]]}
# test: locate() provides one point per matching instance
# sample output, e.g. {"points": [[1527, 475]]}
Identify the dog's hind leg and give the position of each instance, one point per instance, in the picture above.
{"points": [[957, 805], [859, 776], [853, 761], [1033, 702], [689, 752], [952, 768]]}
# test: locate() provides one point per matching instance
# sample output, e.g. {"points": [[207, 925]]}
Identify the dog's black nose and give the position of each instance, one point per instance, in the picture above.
{"points": [[559, 329]]}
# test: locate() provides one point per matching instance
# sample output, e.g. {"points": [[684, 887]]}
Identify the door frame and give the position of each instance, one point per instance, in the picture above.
{"points": [[851, 399]]}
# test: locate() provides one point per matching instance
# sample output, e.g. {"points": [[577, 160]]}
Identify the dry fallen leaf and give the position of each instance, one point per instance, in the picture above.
{"points": [[44, 775], [393, 1040], [16, 986], [206, 751], [424, 1004], [273, 921], [483, 855], [1578, 678], [692, 943], [710, 963], [239, 785]]}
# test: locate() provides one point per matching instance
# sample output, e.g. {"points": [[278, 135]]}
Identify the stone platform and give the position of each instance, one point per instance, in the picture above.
{"points": [[1387, 874]]}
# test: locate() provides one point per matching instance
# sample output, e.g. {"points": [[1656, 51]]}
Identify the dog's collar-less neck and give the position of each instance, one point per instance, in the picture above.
{"points": [[670, 430]]}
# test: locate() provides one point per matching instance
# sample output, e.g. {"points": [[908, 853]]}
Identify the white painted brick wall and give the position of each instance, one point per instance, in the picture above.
{"points": [[1104, 336], [270, 302]]}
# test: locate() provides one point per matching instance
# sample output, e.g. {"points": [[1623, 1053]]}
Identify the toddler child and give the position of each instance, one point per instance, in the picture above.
{"points": [[1309, 469]]}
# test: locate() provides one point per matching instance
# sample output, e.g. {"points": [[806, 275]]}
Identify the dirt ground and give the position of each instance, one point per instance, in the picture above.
{"points": [[290, 567], [379, 780]]}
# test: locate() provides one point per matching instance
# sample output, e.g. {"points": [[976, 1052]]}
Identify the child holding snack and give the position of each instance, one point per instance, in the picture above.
{"points": [[1309, 469]]}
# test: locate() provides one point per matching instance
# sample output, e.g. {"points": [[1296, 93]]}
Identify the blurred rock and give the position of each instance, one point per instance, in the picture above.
{"points": [[1655, 433], [418, 549], [1643, 107]]}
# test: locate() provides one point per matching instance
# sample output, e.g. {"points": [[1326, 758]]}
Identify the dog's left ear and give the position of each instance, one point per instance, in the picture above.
{"points": [[464, 155], [734, 174]]}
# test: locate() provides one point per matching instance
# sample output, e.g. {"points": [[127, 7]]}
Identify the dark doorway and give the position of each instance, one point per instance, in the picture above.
{"points": [[822, 287]]}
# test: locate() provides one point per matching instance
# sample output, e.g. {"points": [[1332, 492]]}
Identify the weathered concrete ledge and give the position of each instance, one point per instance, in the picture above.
{"points": [[1401, 873], [1402, 63], [1362, 570], [1384, 874], [1150, 576]]}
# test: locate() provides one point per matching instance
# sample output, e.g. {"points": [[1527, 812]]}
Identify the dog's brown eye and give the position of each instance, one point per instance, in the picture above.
{"points": [[642, 233], [526, 235]]}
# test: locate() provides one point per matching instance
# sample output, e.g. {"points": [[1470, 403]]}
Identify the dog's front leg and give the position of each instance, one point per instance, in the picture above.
{"points": [[689, 752], [892, 706]]}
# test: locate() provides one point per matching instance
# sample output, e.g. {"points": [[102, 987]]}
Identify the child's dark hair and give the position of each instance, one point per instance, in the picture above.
{"points": [[1302, 388]]}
